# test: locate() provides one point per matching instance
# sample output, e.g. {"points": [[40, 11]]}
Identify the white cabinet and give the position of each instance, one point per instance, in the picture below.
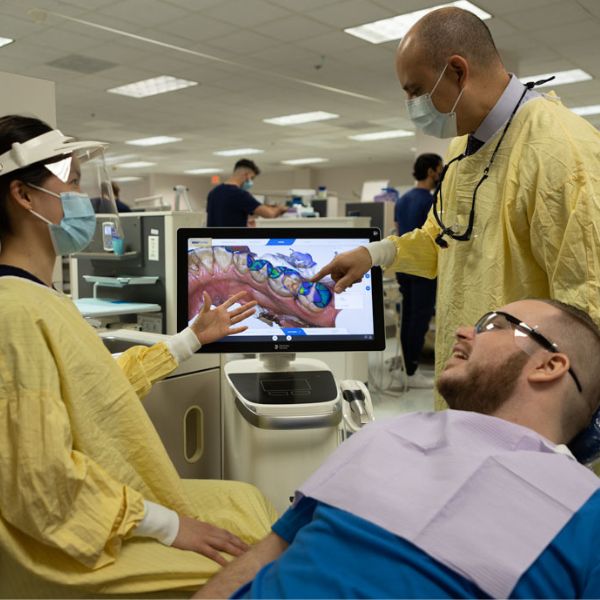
{"points": [[186, 411]]}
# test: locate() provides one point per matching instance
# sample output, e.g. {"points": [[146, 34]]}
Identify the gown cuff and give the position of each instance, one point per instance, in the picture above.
{"points": [[382, 253], [159, 522], [183, 344]]}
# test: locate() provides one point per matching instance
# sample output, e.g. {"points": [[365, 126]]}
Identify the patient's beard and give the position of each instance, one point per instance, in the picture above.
{"points": [[484, 389]]}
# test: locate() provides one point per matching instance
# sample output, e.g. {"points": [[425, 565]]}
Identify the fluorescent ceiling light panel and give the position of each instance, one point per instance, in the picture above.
{"points": [[381, 135], [5, 41], [304, 161], [560, 77], [151, 87], [238, 152], [395, 28], [584, 111], [203, 171], [300, 118], [125, 179], [154, 141], [136, 164]]}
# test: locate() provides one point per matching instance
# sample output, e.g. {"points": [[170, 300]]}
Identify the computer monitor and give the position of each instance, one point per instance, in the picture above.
{"points": [[274, 267], [320, 207], [375, 210]]}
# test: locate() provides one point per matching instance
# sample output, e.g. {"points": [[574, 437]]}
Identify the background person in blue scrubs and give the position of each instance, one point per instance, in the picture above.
{"points": [[418, 293], [230, 204]]}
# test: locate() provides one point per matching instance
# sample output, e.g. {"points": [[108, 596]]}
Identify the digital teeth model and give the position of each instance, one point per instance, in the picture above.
{"points": [[284, 295]]}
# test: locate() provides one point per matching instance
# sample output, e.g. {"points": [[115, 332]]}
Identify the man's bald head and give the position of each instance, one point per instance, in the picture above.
{"points": [[448, 31]]}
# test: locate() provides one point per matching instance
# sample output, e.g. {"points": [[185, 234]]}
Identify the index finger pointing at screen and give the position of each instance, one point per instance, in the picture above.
{"points": [[326, 270]]}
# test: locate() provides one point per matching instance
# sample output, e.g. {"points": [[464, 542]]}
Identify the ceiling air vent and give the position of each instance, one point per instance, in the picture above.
{"points": [[81, 64]]}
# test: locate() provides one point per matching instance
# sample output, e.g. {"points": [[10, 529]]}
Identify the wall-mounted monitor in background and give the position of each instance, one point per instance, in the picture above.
{"points": [[274, 267]]}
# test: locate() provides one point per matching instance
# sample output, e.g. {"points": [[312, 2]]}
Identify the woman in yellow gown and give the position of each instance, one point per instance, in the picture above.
{"points": [[90, 503]]}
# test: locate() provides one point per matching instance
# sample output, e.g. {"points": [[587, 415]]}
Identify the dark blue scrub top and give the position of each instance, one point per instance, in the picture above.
{"points": [[411, 209], [229, 206]]}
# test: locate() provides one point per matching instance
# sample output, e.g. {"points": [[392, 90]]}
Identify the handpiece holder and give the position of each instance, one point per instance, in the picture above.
{"points": [[357, 406]]}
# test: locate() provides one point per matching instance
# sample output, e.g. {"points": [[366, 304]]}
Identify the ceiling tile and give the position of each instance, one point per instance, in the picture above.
{"points": [[302, 6], [496, 8], [147, 13], [194, 5], [243, 42], [350, 13], [292, 28], [197, 27], [555, 14], [246, 13]]}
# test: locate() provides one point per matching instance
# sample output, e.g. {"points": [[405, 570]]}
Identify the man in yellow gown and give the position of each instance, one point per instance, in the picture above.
{"points": [[536, 226], [90, 503]]}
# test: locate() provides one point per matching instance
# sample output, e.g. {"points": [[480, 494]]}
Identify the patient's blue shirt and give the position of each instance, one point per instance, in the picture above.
{"points": [[338, 555]]}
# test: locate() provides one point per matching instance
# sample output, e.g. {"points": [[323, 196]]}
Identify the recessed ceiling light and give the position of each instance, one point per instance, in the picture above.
{"points": [[238, 152], [125, 179], [395, 28], [584, 111], [300, 118], [153, 86], [304, 161], [381, 135], [154, 141], [203, 171], [560, 77], [5, 41], [136, 164]]}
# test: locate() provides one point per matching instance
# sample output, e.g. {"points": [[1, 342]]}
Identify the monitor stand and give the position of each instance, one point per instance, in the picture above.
{"points": [[279, 391]]}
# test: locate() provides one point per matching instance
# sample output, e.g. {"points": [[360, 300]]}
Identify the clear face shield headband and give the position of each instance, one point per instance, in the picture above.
{"points": [[88, 173]]}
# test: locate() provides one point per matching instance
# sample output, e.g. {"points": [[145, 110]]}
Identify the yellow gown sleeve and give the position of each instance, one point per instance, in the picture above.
{"points": [[144, 365], [49, 489], [565, 226], [416, 251]]}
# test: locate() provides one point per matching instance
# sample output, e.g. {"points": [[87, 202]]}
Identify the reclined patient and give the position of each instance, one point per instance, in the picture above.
{"points": [[483, 500], [89, 501]]}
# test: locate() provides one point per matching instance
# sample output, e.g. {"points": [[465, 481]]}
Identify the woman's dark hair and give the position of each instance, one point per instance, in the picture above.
{"points": [[16, 128]]}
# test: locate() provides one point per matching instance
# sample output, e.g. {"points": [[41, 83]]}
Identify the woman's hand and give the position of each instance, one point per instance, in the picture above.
{"points": [[207, 539], [211, 325]]}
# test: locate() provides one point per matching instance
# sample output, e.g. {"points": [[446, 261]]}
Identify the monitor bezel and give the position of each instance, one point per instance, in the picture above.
{"points": [[372, 234]]}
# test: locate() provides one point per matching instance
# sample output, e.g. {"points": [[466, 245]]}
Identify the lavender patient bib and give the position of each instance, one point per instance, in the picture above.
{"points": [[479, 494]]}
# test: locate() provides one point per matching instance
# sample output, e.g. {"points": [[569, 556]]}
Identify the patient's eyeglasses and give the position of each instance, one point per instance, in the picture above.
{"points": [[501, 320]]}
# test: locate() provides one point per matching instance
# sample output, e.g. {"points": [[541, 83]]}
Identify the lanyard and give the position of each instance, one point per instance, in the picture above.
{"points": [[466, 235]]}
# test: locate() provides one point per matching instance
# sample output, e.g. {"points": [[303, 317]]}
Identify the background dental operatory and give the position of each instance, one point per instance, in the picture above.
{"points": [[272, 270]]}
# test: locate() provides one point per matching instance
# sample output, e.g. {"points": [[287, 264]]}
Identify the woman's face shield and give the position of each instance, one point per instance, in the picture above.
{"points": [[80, 165], [96, 183], [85, 172]]}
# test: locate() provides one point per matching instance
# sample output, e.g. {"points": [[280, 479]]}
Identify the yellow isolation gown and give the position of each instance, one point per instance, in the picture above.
{"points": [[78, 455], [537, 223]]}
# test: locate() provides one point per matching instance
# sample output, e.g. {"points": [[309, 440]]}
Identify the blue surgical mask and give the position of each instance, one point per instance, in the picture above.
{"points": [[78, 225], [428, 118], [247, 185]]}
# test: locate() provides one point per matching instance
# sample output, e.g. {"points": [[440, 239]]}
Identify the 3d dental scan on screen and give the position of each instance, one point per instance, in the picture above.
{"points": [[293, 314]]}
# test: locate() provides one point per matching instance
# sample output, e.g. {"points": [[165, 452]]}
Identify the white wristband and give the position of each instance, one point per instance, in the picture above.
{"points": [[159, 522], [382, 253], [183, 344]]}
